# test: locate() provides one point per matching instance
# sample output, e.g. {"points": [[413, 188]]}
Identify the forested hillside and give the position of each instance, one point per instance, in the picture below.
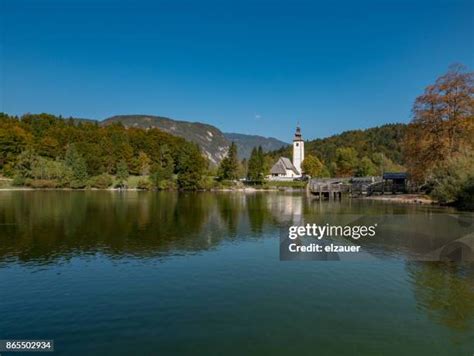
{"points": [[47, 151], [356, 152], [210, 139]]}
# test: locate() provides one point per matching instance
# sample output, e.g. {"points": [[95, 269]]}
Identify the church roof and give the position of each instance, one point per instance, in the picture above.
{"points": [[282, 165]]}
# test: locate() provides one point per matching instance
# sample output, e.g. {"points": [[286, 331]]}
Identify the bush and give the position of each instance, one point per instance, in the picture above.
{"points": [[102, 181], [166, 185], [5, 182], [34, 167], [208, 182], [18, 181], [452, 181], [44, 183], [144, 184], [225, 183], [77, 184], [465, 197], [8, 170]]}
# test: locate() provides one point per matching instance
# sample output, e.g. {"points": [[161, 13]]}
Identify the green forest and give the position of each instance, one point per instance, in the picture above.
{"points": [[355, 153], [44, 151]]}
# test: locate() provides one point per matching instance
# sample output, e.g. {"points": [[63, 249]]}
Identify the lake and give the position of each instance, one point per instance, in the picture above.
{"points": [[200, 273]]}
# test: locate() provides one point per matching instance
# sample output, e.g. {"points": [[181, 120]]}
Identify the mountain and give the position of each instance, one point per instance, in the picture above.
{"points": [[245, 143], [211, 140]]}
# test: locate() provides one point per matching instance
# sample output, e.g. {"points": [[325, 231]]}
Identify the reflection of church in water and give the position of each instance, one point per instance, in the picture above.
{"points": [[284, 169], [286, 208]]}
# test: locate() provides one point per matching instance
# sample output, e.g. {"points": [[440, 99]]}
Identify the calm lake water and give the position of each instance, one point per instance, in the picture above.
{"points": [[200, 273]]}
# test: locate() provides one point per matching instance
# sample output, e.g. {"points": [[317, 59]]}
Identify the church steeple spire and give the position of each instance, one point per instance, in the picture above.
{"points": [[298, 149], [298, 136]]}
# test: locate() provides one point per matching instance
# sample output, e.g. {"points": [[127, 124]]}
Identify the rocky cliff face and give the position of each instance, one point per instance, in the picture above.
{"points": [[212, 141]]}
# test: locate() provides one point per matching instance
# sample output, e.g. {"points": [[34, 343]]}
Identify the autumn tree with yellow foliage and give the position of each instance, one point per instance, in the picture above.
{"points": [[442, 128]]}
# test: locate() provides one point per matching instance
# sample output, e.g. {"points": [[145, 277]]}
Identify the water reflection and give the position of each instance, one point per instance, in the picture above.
{"points": [[41, 226], [445, 291], [45, 227]]}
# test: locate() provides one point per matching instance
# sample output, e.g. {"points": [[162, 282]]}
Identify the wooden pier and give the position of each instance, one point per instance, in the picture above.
{"points": [[335, 188], [329, 188]]}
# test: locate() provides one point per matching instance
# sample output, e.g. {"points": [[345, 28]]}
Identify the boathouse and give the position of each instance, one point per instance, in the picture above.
{"points": [[395, 182]]}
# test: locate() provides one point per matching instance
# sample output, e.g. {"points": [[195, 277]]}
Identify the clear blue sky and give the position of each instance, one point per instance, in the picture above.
{"points": [[244, 66]]}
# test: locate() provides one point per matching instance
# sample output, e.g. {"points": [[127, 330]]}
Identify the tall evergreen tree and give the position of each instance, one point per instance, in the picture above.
{"points": [[252, 165], [256, 165], [261, 159], [229, 167], [190, 168], [163, 170], [122, 172], [74, 160], [243, 168]]}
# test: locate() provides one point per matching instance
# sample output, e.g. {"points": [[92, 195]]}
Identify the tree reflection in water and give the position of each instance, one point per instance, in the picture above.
{"points": [[445, 291], [41, 226], [47, 227]]}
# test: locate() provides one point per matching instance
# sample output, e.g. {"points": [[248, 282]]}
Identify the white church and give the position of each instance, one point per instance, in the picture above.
{"points": [[284, 169]]}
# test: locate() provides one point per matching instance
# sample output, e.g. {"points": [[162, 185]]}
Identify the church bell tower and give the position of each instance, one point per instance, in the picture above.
{"points": [[298, 150]]}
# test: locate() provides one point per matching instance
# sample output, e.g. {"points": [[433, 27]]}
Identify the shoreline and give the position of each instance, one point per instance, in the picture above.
{"points": [[420, 199], [411, 199], [247, 189], [401, 198]]}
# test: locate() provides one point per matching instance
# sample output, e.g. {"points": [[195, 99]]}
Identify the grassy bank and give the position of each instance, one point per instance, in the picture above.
{"points": [[284, 184], [144, 182]]}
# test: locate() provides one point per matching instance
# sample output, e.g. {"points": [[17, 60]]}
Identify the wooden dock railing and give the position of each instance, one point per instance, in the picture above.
{"points": [[328, 188]]}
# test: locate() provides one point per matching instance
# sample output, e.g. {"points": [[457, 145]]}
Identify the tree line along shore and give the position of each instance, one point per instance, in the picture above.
{"points": [[435, 148]]}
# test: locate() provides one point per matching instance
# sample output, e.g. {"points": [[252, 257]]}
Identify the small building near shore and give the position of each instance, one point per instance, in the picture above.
{"points": [[284, 169], [397, 182]]}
